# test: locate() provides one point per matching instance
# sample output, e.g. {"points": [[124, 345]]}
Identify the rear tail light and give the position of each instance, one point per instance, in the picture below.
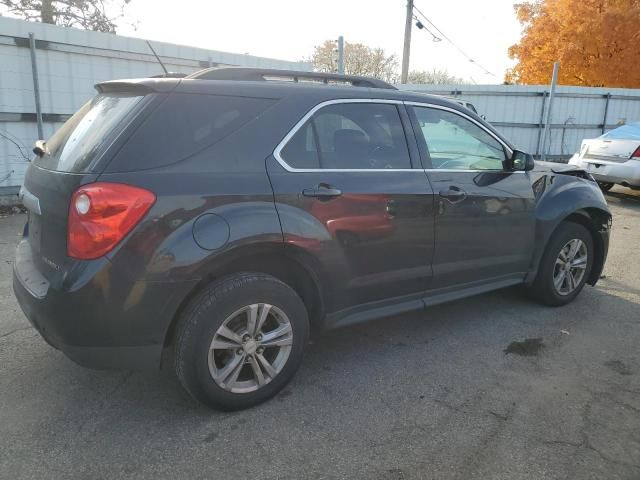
{"points": [[101, 215], [636, 154]]}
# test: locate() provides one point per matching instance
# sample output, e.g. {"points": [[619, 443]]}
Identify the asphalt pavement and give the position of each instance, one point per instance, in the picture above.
{"points": [[491, 387]]}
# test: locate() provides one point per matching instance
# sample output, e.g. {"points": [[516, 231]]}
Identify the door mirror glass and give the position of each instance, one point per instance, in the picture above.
{"points": [[522, 161]]}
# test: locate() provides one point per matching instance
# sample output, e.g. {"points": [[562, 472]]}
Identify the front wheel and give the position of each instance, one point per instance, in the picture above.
{"points": [[240, 341], [565, 265]]}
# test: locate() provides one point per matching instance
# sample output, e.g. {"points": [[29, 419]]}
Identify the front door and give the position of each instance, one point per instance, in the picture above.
{"points": [[348, 196], [484, 219]]}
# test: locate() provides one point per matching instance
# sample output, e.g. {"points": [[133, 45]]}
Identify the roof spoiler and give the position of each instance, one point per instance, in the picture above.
{"points": [[140, 86], [261, 75]]}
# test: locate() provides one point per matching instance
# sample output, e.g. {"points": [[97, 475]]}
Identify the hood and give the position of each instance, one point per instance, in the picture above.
{"points": [[546, 168], [554, 167]]}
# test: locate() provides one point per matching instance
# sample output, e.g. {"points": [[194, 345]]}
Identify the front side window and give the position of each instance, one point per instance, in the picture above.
{"points": [[457, 143], [360, 136]]}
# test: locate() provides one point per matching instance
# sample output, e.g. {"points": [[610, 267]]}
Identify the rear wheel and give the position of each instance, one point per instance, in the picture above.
{"points": [[565, 265], [240, 341], [606, 186]]}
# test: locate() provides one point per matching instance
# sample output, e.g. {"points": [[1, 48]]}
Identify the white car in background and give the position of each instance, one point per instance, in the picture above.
{"points": [[612, 158]]}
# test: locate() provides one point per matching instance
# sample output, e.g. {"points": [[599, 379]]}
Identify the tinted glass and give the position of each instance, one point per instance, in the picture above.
{"points": [[74, 146], [625, 132], [350, 136], [185, 124], [457, 143]]}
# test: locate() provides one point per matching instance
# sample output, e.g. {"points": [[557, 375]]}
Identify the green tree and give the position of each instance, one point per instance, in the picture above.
{"points": [[86, 14]]}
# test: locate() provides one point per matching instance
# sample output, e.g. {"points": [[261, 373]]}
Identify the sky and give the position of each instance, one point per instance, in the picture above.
{"points": [[289, 29]]}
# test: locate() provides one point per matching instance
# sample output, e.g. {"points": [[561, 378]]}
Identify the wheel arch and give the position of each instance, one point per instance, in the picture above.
{"points": [[596, 220], [288, 265]]}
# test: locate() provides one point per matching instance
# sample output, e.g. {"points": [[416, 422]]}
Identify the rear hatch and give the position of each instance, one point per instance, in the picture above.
{"points": [[73, 156]]}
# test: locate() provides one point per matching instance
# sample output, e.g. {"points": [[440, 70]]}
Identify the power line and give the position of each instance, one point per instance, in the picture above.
{"points": [[443, 35], [422, 26]]}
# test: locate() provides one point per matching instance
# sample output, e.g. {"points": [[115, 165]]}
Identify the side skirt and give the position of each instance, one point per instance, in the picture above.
{"points": [[400, 305]]}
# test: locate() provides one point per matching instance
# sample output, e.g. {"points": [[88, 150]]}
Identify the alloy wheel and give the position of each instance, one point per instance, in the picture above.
{"points": [[570, 266], [250, 348]]}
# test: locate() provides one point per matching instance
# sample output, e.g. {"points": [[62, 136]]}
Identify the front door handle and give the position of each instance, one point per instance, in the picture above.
{"points": [[453, 194], [322, 192]]}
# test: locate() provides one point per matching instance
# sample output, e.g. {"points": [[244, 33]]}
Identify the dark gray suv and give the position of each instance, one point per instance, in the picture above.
{"points": [[219, 220]]}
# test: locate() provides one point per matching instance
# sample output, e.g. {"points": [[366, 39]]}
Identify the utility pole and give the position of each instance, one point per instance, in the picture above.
{"points": [[407, 42], [341, 55], [36, 85], [547, 119]]}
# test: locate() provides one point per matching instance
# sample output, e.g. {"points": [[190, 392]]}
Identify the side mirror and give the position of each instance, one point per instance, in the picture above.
{"points": [[522, 161]]}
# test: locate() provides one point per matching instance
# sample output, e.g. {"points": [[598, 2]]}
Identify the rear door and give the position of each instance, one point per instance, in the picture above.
{"points": [[484, 219], [350, 193]]}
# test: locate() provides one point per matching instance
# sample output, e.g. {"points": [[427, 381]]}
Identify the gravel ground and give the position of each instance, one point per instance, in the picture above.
{"points": [[494, 386]]}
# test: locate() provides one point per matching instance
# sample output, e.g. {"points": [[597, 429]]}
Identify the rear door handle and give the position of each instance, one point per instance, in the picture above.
{"points": [[322, 192], [453, 194]]}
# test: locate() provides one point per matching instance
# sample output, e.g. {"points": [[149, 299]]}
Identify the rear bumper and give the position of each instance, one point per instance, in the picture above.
{"points": [[626, 173], [102, 320]]}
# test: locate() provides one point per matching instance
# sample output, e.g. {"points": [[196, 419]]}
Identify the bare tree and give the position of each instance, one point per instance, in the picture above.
{"points": [[87, 14], [434, 76], [358, 60]]}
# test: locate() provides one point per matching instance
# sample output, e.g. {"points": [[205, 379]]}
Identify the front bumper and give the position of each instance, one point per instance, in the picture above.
{"points": [[103, 320], [605, 233]]}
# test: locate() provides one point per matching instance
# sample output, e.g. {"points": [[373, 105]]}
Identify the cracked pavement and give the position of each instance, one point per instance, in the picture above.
{"points": [[426, 396]]}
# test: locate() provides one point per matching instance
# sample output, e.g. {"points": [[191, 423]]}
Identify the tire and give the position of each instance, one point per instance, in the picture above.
{"points": [[544, 289], [605, 186], [229, 302]]}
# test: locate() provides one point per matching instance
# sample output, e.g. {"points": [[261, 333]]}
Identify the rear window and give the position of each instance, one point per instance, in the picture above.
{"points": [[183, 125], [75, 145], [625, 132]]}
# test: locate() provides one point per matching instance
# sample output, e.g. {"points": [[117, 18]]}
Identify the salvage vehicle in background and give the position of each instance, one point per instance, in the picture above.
{"points": [[612, 158], [228, 215]]}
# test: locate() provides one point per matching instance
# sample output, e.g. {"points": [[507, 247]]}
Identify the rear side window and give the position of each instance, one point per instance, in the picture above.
{"points": [[75, 145], [360, 136], [183, 125]]}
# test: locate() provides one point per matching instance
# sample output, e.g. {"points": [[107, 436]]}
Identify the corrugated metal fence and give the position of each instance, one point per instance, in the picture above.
{"points": [[69, 62], [517, 112]]}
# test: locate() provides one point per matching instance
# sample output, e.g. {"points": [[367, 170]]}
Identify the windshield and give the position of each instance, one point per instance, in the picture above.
{"points": [[75, 145]]}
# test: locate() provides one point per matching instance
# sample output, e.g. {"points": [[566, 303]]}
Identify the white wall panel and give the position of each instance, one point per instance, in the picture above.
{"points": [[574, 108], [70, 63]]}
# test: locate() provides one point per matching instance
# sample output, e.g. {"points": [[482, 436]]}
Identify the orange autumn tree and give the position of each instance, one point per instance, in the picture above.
{"points": [[596, 41]]}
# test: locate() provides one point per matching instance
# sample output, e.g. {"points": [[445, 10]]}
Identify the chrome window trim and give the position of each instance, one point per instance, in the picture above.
{"points": [[301, 122], [464, 115], [451, 170], [278, 150]]}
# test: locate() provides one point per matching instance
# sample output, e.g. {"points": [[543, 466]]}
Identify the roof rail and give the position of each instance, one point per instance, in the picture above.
{"points": [[270, 74]]}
